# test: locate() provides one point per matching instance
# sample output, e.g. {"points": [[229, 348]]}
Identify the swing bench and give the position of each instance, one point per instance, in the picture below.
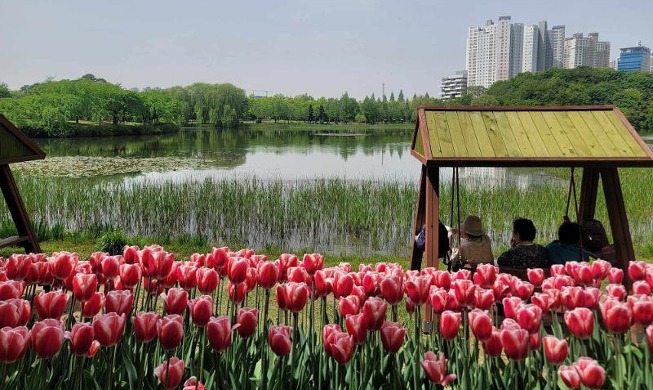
{"points": [[596, 139]]}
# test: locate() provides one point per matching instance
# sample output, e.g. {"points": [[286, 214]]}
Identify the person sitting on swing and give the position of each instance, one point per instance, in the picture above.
{"points": [[523, 252], [475, 246], [566, 247]]}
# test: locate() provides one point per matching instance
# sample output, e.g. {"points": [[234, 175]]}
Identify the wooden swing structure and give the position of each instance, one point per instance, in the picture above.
{"points": [[596, 139], [15, 146]]}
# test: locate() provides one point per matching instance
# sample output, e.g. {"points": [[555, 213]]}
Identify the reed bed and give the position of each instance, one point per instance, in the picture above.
{"points": [[331, 216]]}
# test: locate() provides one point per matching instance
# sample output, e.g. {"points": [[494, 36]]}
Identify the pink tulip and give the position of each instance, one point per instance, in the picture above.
{"points": [[580, 322], [170, 330], [109, 328], [392, 336], [637, 270], [292, 296], [591, 373], [63, 264], [247, 319], [119, 301], [342, 284], [93, 306], [492, 345], [357, 328], [349, 306], [313, 262], [340, 346], [541, 300], [84, 286], [617, 291], [555, 350], [14, 342], [510, 306], [207, 280], [600, 269], [201, 309], [615, 275], [81, 338], [480, 323], [14, 312], [130, 275], [569, 376], [170, 372], [641, 307], [464, 291], [417, 289], [436, 368], [156, 263], [535, 276], [483, 299], [392, 289], [524, 289], [529, 317], [176, 301], [485, 275], [450, 324], [268, 274], [279, 339], [617, 317], [187, 275], [145, 326], [218, 332], [374, 310], [516, 343], [47, 337]]}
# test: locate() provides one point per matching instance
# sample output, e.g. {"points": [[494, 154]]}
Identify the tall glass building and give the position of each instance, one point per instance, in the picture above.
{"points": [[636, 58]]}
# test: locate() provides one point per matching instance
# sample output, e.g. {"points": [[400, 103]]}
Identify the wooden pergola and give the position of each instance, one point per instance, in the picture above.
{"points": [[597, 139], [16, 147]]}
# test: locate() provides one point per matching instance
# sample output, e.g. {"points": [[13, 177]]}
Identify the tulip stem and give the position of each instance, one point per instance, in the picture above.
{"points": [[111, 369], [3, 376], [264, 351], [165, 377], [202, 331]]}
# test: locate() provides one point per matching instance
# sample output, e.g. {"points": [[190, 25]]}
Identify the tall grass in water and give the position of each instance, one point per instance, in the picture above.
{"points": [[332, 216]]}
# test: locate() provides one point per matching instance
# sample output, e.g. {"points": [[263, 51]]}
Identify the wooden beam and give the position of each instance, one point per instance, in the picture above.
{"points": [[589, 188], [614, 200], [17, 210], [432, 216], [417, 254]]}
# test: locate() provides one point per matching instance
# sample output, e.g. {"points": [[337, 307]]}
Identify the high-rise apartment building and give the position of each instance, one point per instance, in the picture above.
{"points": [[530, 48], [556, 38], [637, 58], [499, 51], [586, 51], [454, 86]]}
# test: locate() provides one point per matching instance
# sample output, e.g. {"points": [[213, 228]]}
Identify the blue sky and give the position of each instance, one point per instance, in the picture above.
{"points": [[289, 46]]}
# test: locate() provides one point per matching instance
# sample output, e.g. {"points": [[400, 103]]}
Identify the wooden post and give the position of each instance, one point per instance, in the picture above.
{"points": [[417, 254], [26, 236], [432, 233], [588, 192], [614, 200]]}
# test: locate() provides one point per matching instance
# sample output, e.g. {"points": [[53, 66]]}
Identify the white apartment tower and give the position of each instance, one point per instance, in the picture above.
{"points": [[556, 38], [531, 48], [488, 53], [516, 46], [586, 51], [454, 86]]}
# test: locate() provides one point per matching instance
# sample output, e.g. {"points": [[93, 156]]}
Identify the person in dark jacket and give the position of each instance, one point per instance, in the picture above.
{"points": [[523, 252], [566, 247]]}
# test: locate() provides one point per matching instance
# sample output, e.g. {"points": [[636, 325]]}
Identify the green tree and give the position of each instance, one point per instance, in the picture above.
{"points": [[4, 91]]}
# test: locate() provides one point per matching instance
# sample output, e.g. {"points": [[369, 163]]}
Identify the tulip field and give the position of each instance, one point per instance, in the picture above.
{"points": [[238, 320]]}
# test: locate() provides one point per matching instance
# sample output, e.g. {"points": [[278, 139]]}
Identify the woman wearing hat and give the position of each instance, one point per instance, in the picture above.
{"points": [[475, 246]]}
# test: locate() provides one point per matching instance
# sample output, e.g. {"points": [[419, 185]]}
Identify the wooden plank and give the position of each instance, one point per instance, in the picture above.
{"points": [[438, 130], [633, 133], [431, 135], [588, 192], [618, 128], [566, 146], [416, 256], [464, 122], [548, 138], [607, 140], [424, 133], [574, 134], [592, 138], [530, 130], [512, 145], [432, 216], [459, 145], [518, 108], [12, 241], [481, 134], [521, 138], [494, 134]]}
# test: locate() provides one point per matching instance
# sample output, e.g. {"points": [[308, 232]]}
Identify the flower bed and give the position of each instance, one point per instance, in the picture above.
{"points": [[146, 320]]}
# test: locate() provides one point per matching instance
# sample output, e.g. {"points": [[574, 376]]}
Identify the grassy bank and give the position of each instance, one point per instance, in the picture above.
{"points": [[91, 129], [328, 127], [332, 216]]}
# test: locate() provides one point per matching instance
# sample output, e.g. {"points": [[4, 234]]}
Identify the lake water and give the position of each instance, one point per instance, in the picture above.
{"points": [[382, 155]]}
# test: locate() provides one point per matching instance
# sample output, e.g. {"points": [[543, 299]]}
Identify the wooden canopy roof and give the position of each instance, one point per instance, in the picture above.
{"points": [[588, 136], [15, 146]]}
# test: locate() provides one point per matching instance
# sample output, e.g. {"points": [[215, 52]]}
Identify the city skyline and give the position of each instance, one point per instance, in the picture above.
{"points": [[289, 47]]}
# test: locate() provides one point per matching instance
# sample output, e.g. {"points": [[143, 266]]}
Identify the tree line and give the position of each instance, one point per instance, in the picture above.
{"points": [[53, 107]]}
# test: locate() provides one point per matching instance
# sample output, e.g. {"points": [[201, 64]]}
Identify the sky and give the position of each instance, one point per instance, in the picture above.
{"points": [[322, 48]]}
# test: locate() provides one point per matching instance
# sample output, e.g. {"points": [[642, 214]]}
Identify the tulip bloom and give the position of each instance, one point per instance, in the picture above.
{"points": [[279, 339], [14, 312], [480, 323], [555, 350], [110, 266], [392, 289], [17, 267], [485, 275], [569, 376], [591, 373], [374, 310], [637, 270], [10, 289], [580, 322], [349, 306], [524, 289], [541, 300], [292, 296], [641, 287], [515, 342], [357, 328], [218, 332], [13, 344], [145, 326], [616, 315], [615, 275], [340, 346], [535, 276], [450, 324], [170, 331], [47, 337], [62, 264], [130, 275], [465, 291], [342, 284], [641, 307], [529, 317], [436, 368], [313, 262], [392, 336], [237, 271], [247, 320], [175, 301], [600, 269], [51, 304], [109, 328], [192, 384], [483, 299], [93, 306], [649, 337], [617, 291], [187, 275], [492, 345], [201, 309], [417, 288], [84, 286], [170, 372], [510, 306], [156, 263], [81, 338], [119, 302], [268, 274]]}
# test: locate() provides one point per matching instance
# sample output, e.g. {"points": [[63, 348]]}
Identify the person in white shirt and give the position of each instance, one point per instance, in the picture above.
{"points": [[475, 246]]}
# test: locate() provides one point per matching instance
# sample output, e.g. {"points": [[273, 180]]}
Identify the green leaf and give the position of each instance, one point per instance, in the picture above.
{"points": [[132, 375]]}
